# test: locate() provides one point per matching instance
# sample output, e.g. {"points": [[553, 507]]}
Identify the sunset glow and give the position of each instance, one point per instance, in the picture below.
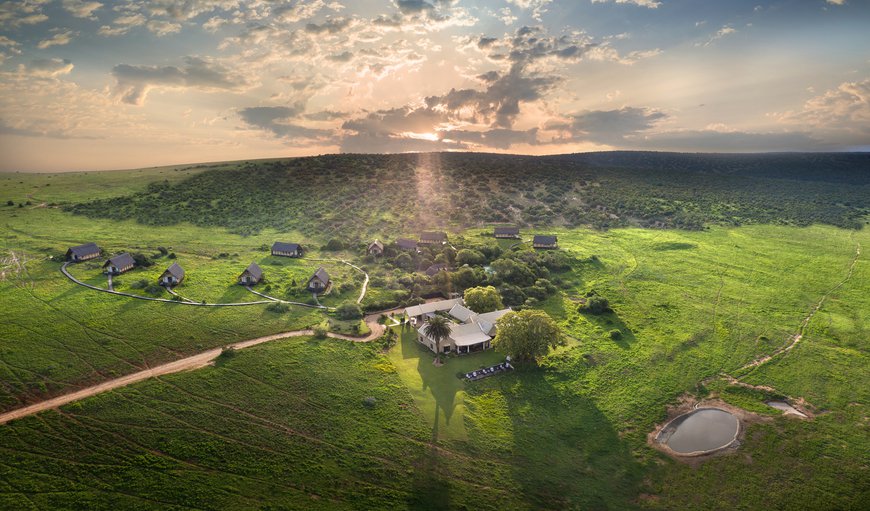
{"points": [[96, 85]]}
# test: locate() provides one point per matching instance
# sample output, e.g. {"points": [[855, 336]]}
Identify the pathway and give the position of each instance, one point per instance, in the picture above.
{"points": [[152, 299], [184, 364], [300, 304]]}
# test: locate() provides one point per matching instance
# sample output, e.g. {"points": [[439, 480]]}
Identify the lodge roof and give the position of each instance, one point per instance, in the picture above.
{"points": [[120, 261], [281, 246], [254, 270], [433, 236], [544, 240], [84, 250], [175, 270], [321, 275]]}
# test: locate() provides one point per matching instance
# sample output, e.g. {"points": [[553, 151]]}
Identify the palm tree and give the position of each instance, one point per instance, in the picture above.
{"points": [[437, 329]]}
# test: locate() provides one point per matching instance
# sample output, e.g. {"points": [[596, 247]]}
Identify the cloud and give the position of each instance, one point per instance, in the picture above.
{"points": [[330, 26], [845, 107], [183, 10], [46, 68], [122, 25], [81, 8], [837, 2], [610, 127], [538, 7], [161, 28], [652, 4], [715, 140], [725, 31], [16, 14], [58, 39], [134, 82], [278, 121], [424, 16]]}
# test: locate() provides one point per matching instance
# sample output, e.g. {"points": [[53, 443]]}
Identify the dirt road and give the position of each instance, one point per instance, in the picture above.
{"points": [[185, 364]]}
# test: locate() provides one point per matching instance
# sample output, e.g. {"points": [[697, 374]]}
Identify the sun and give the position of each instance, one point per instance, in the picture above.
{"points": [[432, 137]]}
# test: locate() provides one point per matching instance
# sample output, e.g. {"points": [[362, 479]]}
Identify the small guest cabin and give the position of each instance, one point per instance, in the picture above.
{"points": [[83, 252], [406, 244], [279, 248], [376, 248], [119, 264], [541, 241], [252, 275], [433, 238], [507, 232], [319, 281], [172, 276]]}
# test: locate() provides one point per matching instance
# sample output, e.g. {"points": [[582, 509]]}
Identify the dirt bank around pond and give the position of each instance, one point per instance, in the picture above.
{"points": [[686, 405]]}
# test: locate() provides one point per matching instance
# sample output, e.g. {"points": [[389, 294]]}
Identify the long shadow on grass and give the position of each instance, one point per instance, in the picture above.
{"points": [[429, 490], [566, 453], [610, 321]]}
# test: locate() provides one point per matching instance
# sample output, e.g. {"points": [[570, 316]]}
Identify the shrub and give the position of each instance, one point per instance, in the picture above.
{"points": [[227, 352], [139, 284], [278, 307], [595, 304], [334, 245], [370, 402], [615, 334], [171, 255], [142, 260], [319, 331], [10, 203], [348, 311], [153, 289]]}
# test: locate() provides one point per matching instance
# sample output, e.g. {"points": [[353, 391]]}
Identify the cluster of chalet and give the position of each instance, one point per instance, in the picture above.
{"points": [[470, 332], [376, 248], [253, 274], [174, 275]]}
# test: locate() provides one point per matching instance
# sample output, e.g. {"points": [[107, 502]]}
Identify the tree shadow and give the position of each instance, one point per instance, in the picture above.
{"points": [[566, 453], [610, 321], [429, 490]]}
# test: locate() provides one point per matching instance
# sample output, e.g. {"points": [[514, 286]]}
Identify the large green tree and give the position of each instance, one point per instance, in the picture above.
{"points": [[437, 329], [483, 299], [527, 335]]}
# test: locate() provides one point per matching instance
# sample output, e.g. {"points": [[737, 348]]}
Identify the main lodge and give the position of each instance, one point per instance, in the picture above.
{"points": [[470, 332]]}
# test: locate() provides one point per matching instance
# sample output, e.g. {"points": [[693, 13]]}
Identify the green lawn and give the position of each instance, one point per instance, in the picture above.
{"points": [[437, 391]]}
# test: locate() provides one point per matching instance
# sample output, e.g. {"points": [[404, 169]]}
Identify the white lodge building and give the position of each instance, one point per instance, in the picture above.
{"points": [[469, 332]]}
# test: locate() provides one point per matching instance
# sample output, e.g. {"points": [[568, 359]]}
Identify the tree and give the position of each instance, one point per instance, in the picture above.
{"points": [[348, 311], [437, 329], [469, 257], [483, 299], [527, 335], [404, 261], [465, 278]]}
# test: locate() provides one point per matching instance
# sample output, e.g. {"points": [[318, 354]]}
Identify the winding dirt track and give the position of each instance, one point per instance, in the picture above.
{"points": [[185, 364]]}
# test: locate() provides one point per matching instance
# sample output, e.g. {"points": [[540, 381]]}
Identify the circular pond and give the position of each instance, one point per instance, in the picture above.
{"points": [[700, 431]]}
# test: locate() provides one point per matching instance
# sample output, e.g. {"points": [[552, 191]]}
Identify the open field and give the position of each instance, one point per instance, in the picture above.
{"points": [[286, 425]]}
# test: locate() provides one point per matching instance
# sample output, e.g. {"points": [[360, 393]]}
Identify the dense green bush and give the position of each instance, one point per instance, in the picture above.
{"points": [[348, 311]]}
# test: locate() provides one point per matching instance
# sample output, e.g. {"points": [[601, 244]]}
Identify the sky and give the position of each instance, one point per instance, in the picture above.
{"points": [[99, 84]]}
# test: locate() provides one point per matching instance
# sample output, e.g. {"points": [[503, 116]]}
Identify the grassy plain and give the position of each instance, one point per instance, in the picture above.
{"points": [[286, 425]]}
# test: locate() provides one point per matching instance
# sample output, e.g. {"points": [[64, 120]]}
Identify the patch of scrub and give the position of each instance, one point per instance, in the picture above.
{"points": [[700, 431], [786, 408]]}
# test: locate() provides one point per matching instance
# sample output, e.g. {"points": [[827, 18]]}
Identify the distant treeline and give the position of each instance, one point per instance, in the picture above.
{"points": [[355, 196]]}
